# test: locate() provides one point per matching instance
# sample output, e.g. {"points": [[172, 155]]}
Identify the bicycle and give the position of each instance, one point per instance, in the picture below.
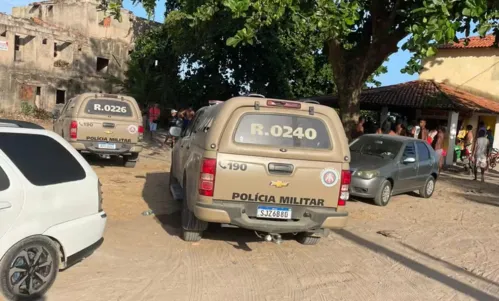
{"points": [[493, 158]]}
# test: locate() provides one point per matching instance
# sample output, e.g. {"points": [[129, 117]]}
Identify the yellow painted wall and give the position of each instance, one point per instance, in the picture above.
{"points": [[475, 70]]}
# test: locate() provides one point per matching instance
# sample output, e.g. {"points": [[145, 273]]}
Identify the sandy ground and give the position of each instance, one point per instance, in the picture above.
{"points": [[443, 248]]}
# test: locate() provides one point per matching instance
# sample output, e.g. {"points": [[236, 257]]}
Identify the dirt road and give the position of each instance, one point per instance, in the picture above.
{"points": [[444, 248]]}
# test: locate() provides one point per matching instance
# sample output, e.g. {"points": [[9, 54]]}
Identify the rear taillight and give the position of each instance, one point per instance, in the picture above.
{"points": [[73, 130], [207, 177], [346, 178], [100, 197], [285, 104], [141, 132]]}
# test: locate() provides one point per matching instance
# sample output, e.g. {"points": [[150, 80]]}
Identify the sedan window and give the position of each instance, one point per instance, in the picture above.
{"points": [[375, 146], [409, 151]]}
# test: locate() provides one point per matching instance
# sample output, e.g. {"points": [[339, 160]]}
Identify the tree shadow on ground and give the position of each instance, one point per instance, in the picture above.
{"points": [[450, 265], [167, 212], [418, 267]]}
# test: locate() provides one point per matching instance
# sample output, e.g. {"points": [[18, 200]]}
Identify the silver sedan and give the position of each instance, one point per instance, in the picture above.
{"points": [[385, 165]]}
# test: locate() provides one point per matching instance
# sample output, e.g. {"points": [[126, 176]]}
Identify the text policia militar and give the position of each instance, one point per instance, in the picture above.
{"points": [[264, 198]]}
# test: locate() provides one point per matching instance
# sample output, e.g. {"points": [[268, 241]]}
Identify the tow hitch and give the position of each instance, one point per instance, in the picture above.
{"points": [[270, 237]]}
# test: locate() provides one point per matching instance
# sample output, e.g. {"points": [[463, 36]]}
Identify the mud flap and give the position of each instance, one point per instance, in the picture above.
{"points": [[176, 192]]}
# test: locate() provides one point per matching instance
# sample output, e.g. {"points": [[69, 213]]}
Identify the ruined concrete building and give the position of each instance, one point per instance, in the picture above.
{"points": [[52, 50]]}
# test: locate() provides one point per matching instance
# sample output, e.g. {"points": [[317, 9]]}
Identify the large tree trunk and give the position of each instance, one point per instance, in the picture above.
{"points": [[349, 77], [349, 101]]}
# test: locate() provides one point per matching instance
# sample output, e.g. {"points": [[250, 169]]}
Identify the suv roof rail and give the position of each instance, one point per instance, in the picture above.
{"points": [[255, 95], [19, 124]]}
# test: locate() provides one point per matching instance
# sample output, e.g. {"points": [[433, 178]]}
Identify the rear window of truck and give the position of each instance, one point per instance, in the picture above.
{"points": [[282, 131], [108, 107]]}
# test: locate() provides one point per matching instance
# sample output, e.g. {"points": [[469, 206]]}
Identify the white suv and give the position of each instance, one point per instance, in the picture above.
{"points": [[50, 209]]}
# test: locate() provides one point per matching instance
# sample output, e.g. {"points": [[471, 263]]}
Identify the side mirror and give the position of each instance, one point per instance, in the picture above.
{"points": [[175, 131], [409, 160]]}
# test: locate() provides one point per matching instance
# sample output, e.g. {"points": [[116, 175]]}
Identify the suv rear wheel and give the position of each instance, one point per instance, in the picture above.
{"points": [[29, 268]]}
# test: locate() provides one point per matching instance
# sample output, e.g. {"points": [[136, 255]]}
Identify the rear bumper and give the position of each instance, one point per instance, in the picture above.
{"points": [[365, 188], [243, 215], [91, 147], [79, 235]]}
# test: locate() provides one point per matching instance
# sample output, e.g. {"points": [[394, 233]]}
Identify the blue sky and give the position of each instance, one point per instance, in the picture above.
{"points": [[396, 62]]}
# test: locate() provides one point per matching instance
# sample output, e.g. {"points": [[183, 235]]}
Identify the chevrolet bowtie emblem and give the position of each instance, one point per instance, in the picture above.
{"points": [[279, 184], [108, 132]]}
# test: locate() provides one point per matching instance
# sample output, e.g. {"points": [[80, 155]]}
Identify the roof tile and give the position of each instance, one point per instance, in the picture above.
{"points": [[474, 42], [421, 94]]}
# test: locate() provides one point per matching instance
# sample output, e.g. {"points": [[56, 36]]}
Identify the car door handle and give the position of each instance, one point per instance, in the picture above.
{"points": [[5, 205]]}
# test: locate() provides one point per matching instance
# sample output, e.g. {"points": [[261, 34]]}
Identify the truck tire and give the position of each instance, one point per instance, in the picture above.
{"points": [[192, 227], [306, 239], [131, 160]]}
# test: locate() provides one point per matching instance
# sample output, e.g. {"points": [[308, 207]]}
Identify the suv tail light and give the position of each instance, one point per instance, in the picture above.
{"points": [[207, 177], [141, 132], [73, 130], [100, 197], [346, 178]]}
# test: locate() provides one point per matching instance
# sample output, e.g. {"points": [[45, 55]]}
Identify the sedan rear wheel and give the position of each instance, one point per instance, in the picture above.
{"points": [[384, 194], [427, 190]]}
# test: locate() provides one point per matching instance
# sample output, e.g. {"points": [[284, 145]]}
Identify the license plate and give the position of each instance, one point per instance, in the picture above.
{"points": [[107, 145], [273, 212]]}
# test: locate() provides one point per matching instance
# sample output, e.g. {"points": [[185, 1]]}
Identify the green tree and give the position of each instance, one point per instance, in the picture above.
{"points": [[358, 35]]}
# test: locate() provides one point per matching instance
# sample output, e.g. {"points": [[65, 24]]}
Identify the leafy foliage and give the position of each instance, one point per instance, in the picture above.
{"points": [[354, 36]]}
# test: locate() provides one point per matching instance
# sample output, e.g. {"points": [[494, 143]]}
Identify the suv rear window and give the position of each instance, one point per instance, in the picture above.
{"points": [[282, 130], [108, 107], [41, 159]]}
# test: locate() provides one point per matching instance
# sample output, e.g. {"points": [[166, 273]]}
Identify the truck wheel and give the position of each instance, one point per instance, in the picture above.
{"points": [[130, 160], [192, 227], [429, 187], [384, 194], [306, 239], [29, 269]]}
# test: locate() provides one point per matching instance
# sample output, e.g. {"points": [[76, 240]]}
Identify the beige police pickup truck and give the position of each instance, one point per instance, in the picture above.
{"points": [[103, 124], [269, 165]]}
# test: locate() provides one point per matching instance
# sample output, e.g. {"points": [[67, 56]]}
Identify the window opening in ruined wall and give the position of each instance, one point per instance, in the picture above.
{"points": [[102, 65], [44, 41], [17, 48], [3, 33], [60, 97]]}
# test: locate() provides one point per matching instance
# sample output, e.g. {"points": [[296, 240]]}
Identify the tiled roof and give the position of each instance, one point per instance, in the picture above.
{"points": [[474, 42], [421, 94]]}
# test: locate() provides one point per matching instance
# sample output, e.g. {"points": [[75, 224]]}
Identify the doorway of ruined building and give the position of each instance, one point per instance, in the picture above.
{"points": [[60, 97]]}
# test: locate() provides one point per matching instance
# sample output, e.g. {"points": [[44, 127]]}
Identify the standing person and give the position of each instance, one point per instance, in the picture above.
{"points": [[387, 128], [468, 148], [423, 132], [490, 137], [438, 146], [359, 129], [173, 122], [431, 136], [154, 113], [480, 154], [399, 127]]}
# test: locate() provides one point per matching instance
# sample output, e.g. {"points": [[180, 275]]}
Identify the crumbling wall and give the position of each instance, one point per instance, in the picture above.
{"points": [[62, 45]]}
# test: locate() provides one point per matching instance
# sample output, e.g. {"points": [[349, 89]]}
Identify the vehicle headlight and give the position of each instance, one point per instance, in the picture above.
{"points": [[366, 174]]}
